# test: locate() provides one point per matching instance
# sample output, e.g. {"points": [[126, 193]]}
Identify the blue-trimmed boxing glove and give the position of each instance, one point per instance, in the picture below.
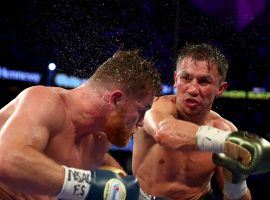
{"points": [[98, 185]]}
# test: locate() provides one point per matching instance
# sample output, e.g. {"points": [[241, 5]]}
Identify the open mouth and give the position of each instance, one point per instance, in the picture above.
{"points": [[191, 102]]}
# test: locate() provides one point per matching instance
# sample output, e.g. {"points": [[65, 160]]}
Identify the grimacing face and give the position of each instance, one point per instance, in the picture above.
{"points": [[197, 86]]}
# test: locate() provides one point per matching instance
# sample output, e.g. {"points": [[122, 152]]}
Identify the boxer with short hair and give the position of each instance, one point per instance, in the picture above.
{"points": [[52, 140], [172, 152]]}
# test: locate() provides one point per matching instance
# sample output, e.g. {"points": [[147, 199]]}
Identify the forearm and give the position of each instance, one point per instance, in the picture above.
{"points": [[183, 135], [177, 135], [27, 170]]}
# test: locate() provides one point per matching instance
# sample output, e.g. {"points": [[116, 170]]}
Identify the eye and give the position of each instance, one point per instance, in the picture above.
{"points": [[205, 81], [185, 77]]}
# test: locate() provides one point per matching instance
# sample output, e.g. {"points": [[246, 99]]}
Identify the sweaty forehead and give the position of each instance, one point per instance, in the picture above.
{"points": [[188, 64]]}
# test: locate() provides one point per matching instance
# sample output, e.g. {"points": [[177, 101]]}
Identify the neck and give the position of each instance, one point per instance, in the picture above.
{"points": [[86, 109]]}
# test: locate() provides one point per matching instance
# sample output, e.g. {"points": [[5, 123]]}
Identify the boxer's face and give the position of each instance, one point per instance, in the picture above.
{"points": [[122, 122], [197, 86]]}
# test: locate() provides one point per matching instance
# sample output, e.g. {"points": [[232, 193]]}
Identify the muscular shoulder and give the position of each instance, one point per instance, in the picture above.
{"points": [[39, 94], [165, 104], [165, 100], [40, 102], [214, 119]]}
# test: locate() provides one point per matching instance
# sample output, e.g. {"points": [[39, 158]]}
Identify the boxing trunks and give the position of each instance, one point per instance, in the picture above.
{"points": [[144, 196]]}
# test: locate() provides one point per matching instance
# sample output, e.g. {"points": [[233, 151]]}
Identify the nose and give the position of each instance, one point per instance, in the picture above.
{"points": [[193, 88]]}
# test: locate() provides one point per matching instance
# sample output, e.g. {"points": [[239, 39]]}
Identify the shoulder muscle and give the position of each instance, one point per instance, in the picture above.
{"points": [[165, 105], [34, 118], [220, 122]]}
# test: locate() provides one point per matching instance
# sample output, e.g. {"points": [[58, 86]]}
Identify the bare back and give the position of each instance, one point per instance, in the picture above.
{"points": [[61, 145], [169, 173]]}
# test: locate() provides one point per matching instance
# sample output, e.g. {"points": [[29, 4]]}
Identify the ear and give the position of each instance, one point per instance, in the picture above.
{"points": [[223, 86], [115, 97]]}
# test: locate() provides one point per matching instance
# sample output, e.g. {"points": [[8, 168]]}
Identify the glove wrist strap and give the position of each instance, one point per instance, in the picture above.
{"points": [[211, 139], [76, 184], [234, 191]]}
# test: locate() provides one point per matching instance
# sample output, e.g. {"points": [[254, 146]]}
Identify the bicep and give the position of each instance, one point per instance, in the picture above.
{"points": [[160, 110], [164, 107]]}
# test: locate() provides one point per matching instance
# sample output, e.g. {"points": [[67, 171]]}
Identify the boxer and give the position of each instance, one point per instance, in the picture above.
{"points": [[173, 151], [52, 140]]}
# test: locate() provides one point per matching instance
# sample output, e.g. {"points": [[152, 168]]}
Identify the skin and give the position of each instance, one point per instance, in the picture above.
{"points": [[166, 160], [47, 127]]}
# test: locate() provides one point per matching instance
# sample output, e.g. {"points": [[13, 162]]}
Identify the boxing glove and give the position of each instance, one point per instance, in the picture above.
{"points": [[109, 185], [258, 147], [98, 185]]}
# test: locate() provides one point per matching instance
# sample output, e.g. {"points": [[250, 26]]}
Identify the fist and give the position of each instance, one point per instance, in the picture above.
{"points": [[172, 134], [250, 154]]}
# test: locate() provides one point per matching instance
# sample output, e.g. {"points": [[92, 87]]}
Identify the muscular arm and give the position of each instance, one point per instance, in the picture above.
{"points": [[157, 114], [162, 124], [23, 138]]}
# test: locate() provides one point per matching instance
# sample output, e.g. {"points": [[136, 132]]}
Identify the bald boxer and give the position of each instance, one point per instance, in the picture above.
{"points": [[52, 140], [172, 152]]}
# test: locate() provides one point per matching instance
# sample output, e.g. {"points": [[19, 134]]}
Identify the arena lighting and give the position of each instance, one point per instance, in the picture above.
{"points": [[16, 75], [51, 66], [241, 94], [129, 146], [234, 94], [64, 80], [166, 89], [262, 95]]}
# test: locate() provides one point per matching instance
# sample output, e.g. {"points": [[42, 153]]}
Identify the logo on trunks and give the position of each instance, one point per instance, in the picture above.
{"points": [[114, 189], [82, 180]]}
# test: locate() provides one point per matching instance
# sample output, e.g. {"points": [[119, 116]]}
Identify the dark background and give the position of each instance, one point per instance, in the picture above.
{"points": [[80, 35]]}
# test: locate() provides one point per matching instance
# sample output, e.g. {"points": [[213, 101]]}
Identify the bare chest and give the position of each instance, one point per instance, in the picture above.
{"points": [[88, 154], [182, 164], [163, 166]]}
